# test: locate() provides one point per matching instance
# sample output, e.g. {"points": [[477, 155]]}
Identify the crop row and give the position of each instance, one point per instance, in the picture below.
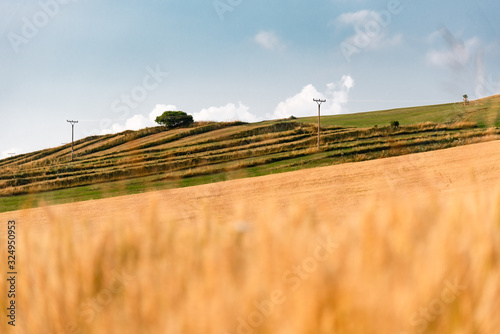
{"points": [[212, 162]]}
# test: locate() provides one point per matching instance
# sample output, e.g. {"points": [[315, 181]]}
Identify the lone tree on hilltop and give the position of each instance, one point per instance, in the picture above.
{"points": [[174, 119], [466, 99]]}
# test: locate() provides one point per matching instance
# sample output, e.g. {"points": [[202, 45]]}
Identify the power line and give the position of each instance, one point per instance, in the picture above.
{"points": [[72, 136], [319, 101]]}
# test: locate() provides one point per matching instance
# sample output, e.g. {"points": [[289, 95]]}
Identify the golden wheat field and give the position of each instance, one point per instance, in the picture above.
{"points": [[409, 244]]}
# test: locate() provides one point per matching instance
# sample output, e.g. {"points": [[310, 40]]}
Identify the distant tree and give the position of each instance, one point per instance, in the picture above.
{"points": [[174, 119], [395, 124], [466, 99]]}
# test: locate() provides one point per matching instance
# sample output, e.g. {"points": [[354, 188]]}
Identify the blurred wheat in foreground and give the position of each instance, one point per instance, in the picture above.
{"points": [[427, 267]]}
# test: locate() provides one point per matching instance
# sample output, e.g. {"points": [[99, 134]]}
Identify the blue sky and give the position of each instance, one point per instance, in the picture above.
{"points": [[115, 65]]}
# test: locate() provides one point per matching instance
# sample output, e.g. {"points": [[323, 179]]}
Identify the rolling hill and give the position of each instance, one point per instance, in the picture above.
{"points": [[397, 237], [156, 158], [342, 189]]}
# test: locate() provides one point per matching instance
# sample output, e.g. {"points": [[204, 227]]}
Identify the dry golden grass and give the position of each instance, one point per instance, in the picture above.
{"points": [[419, 256], [428, 266]]}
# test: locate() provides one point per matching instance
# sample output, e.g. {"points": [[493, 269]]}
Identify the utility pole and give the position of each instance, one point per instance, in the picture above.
{"points": [[72, 136], [319, 101]]}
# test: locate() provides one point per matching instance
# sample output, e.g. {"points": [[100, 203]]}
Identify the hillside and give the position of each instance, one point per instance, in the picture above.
{"points": [[484, 112], [341, 189], [366, 247], [154, 158]]}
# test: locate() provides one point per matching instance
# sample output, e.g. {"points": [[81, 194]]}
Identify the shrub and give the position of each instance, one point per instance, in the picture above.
{"points": [[174, 119], [395, 124]]}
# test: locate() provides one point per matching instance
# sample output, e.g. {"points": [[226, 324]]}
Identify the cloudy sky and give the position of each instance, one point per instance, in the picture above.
{"points": [[115, 65]]}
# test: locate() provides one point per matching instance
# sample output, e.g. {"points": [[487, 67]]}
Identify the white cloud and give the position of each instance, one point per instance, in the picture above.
{"points": [[357, 18], [456, 53], [138, 122], [269, 40], [299, 104], [370, 30], [391, 41], [466, 60], [302, 104], [229, 112], [159, 109]]}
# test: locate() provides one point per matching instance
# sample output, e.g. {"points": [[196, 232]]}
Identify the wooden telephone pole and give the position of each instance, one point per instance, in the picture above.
{"points": [[72, 136], [319, 101]]}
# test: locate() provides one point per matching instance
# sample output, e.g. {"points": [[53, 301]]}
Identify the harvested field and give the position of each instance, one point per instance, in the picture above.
{"points": [[341, 189], [406, 244], [153, 159]]}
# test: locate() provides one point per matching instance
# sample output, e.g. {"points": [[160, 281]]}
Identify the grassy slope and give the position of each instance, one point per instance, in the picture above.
{"points": [[484, 112], [151, 159]]}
